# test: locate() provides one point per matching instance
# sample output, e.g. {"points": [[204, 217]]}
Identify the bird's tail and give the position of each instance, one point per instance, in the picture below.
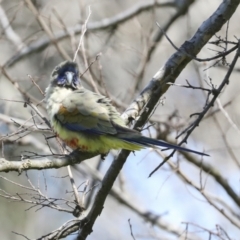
{"points": [[150, 142]]}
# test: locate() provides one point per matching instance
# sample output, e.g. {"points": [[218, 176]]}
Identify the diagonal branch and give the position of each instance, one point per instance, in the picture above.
{"points": [[93, 26], [151, 95]]}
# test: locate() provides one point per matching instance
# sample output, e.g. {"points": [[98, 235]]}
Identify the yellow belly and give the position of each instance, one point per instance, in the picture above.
{"points": [[92, 143]]}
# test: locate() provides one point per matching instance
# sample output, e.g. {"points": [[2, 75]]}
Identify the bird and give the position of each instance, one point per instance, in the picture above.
{"points": [[87, 121]]}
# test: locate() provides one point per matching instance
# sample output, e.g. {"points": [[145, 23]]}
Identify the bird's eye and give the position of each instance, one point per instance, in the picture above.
{"points": [[61, 80]]}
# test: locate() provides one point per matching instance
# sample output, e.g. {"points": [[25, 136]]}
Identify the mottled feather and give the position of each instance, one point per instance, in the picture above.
{"points": [[87, 120]]}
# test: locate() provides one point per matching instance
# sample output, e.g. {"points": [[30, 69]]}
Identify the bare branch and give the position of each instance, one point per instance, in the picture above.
{"points": [[46, 29], [9, 32], [151, 94], [52, 161], [99, 25]]}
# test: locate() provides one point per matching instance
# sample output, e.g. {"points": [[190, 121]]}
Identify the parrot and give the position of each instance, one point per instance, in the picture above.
{"points": [[87, 121]]}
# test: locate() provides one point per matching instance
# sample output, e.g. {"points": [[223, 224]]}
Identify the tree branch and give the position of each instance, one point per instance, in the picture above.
{"points": [[92, 26], [151, 95], [47, 162]]}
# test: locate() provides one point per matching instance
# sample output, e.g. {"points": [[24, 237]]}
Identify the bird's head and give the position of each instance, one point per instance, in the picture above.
{"points": [[66, 74]]}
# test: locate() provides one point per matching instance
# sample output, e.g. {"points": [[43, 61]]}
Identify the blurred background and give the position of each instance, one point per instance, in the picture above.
{"points": [[186, 200]]}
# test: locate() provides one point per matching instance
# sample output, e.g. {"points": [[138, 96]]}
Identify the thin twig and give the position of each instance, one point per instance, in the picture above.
{"points": [[84, 29]]}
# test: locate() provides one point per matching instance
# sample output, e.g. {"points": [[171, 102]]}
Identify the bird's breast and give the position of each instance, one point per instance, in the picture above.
{"points": [[54, 99]]}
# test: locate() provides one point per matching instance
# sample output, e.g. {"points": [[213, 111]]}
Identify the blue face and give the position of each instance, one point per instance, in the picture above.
{"points": [[67, 75]]}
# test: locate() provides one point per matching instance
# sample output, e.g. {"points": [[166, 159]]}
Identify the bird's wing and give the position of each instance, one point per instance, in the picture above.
{"points": [[85, 111]]}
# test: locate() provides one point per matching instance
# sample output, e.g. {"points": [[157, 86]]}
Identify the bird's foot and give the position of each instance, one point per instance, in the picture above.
{"points": [[104, 155]]}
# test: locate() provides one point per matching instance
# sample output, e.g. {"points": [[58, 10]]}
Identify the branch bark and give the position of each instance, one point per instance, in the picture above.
{"points": [[53, 161], [151, 95], [92, 26]]}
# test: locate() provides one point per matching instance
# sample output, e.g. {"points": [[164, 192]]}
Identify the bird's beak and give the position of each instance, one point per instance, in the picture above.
{"points": [[69, 77]]}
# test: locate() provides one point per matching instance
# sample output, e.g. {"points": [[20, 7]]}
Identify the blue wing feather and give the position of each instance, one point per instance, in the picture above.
{"points": [[75, 127], [128, 135], [145, 141]]}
